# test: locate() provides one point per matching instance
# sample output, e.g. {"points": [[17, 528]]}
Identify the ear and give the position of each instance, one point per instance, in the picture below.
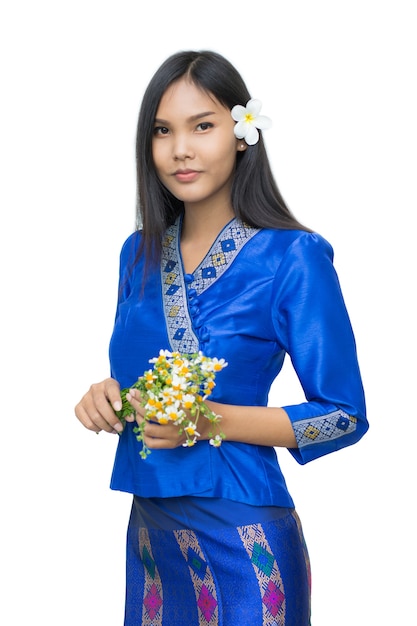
{"points": [[241, 145]]}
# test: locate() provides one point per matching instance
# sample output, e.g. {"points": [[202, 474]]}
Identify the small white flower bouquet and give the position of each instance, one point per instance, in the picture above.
{"points": [[175, 390]]}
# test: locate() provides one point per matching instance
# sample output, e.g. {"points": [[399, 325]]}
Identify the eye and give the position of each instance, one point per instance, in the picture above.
{"points": [[204, 125], [160, 130]]}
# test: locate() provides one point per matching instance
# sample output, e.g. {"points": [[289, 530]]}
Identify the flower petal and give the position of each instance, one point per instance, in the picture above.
{"points": [[238, 112], [254, 107], [240, 129], [263, 122], [251, 136]]}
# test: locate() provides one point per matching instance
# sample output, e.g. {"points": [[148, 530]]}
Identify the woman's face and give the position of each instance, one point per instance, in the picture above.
{"points": [[194, 148]]}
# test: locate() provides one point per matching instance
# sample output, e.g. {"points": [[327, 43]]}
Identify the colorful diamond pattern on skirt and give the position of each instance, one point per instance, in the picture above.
{"points": [[267, 573], [148, 562], [201, 576], [197, 564], [262, 558], [152, 601], [152, 597], [273, 598], [206, 603]]}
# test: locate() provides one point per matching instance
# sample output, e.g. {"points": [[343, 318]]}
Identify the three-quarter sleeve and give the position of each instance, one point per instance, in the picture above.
{"points": [[313, 326]]}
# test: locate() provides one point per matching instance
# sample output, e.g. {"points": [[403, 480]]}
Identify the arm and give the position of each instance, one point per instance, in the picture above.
{"points": [[263, 426], [313, 325], [258, 425]]}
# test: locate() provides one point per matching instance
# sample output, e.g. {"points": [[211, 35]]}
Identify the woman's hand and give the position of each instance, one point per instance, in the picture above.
{"points": [[156, 436], [95, 410]]}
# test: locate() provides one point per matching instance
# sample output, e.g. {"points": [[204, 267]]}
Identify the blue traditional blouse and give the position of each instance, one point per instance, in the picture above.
{"points": [[257, 295]]}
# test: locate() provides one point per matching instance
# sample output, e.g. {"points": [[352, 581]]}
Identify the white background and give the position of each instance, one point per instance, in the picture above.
{"points": [[338, 79]]}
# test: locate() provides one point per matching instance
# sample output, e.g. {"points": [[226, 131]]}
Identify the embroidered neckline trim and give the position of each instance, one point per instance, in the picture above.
{"points": [[176, 284]]}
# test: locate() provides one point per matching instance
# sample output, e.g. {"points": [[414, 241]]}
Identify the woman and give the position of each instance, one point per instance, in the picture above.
{"points": [[220, 265]]}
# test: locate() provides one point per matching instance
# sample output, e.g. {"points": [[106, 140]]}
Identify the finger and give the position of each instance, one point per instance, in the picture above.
{"points": [[135, 400], [85, 419], [95, 421], [112, 391], [97, 406], [162, 435], [133, 397], [101, 413]]}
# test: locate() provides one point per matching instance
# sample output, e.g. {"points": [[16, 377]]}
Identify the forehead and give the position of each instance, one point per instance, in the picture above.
{"points": [[187, 98]]}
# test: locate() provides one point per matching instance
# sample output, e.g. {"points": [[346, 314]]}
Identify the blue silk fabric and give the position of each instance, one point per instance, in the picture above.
{"points": [[257, 295], [193, 561]]}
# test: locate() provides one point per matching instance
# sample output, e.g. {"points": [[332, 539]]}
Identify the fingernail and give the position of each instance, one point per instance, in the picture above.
{"points": [[117, 406], [118, 427]]}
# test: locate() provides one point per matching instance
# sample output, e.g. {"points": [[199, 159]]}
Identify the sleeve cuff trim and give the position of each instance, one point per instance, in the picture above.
{"points": [[324, 428]]}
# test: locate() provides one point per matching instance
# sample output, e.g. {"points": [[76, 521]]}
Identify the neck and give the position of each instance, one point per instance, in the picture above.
{"points": [[201, 224]]}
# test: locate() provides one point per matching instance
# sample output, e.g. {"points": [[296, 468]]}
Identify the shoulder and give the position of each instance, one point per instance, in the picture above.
{"points": [[279, 248], [310, 248], [298, 241], [306, 268], [130, 247], [132, 241], [297, 261]]}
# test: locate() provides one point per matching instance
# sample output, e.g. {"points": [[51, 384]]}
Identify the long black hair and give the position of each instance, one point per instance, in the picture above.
{"points": [[255, 196]]}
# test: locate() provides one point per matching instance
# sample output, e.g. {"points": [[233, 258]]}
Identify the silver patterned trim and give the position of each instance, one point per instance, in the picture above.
{"points": [[324, 428], [182, 335]]}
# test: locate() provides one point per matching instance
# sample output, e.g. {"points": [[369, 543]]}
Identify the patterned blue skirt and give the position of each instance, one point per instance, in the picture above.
{"points": [[195, 561]]}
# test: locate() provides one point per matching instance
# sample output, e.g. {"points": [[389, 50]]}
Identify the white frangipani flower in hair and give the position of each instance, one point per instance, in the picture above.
{"points": [[248, 121]]}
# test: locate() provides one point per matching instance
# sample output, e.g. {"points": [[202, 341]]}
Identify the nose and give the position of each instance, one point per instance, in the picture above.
{"points": [[183, 148]]}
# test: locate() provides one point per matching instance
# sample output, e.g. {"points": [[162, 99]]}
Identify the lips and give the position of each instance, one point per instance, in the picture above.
{"points": [[186, 176]]}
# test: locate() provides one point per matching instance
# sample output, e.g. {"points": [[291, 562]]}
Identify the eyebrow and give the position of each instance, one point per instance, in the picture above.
{"points": [[192, 118]]}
